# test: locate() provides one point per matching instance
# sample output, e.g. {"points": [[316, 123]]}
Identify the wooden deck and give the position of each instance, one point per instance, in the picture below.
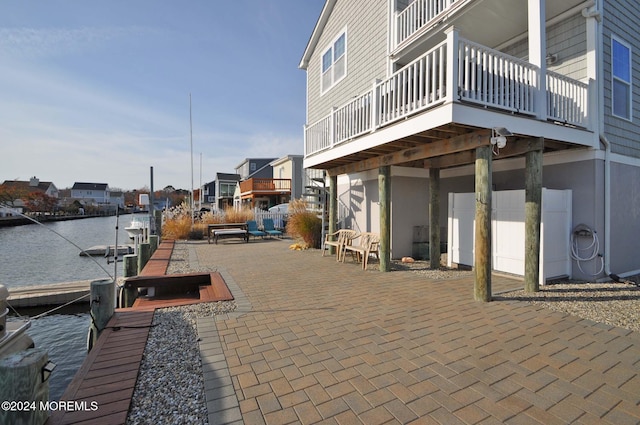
{"points": [[109, 373], [216, 291]]}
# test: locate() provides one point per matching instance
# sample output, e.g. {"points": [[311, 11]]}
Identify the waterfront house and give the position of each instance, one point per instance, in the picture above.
{"points": [[21, 189], [91, 194], [257, 187], [436, 99], [290, 167], [219, 193]]}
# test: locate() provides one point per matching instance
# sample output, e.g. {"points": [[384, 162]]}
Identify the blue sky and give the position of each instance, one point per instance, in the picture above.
{"points": [[98, 91]]}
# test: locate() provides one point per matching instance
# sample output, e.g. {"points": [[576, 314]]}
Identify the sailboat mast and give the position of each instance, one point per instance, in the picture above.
{"points": [[191, 142]]}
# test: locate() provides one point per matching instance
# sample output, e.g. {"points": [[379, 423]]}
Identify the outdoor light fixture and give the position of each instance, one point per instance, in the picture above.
{"points": [[499, 137]]}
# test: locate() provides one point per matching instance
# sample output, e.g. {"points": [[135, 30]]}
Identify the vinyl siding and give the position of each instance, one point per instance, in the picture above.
{"points": [[568, 40], [620, 18], [366, 25]]}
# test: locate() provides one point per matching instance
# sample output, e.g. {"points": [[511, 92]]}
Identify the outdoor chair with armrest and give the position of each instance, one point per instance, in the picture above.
{"points": [[269, 228], [368, 244], [338, 240]]}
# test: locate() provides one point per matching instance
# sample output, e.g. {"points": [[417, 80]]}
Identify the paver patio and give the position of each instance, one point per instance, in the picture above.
{"points": [[315, 341]]}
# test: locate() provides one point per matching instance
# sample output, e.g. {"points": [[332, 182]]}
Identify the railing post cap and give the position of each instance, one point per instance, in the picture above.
{"points": [[451, 28]]}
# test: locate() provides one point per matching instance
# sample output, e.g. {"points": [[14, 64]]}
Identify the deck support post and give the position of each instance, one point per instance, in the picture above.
{"points": [[384, 195], [482, 260], [434, 218], [533, 214], [333, 208]]}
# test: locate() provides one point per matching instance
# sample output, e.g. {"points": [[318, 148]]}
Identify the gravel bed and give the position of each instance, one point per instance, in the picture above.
{"points": [[612, 303], [616, 304], [170, 388]]}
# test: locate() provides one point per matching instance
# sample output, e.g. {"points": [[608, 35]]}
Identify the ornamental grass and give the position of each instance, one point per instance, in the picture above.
{"points": [[304, 224], [178, 223]]}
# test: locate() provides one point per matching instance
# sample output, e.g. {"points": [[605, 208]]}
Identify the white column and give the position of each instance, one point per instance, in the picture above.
{"points": [[538, 52]]}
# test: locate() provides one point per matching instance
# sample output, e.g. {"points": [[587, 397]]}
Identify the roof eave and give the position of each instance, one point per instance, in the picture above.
{"points": [[317, 31]]}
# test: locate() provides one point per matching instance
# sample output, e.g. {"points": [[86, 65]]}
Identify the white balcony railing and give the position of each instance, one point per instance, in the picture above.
{"points": [[567, 99], [418, 14], [481, 75], [491, 78]]}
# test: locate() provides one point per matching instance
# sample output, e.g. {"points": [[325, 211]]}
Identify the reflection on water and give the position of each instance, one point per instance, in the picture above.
{"points": [[64, 336]]}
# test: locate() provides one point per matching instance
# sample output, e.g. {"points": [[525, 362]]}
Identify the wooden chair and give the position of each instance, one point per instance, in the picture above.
{"points": [[338, 240], [368, 244]]}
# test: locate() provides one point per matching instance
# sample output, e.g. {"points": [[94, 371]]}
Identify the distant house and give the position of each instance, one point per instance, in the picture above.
{"points": [[26, 187], [91, 193], [219, 193], [258, 188], [290, 167], [117, 198]]}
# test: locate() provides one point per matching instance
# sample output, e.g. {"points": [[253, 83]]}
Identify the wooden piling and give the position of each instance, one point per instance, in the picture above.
{"points": [[434, 218], [103, 303], [384, 191], [533, 214], [482, 261], [333, 208]]}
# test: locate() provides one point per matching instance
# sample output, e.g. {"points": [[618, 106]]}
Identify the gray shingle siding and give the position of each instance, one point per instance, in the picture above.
{"points": [[620, 19], [366, 26], [566, 39]]}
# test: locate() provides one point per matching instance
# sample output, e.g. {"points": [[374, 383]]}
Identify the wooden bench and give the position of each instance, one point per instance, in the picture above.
{"points": [[227, 230]]}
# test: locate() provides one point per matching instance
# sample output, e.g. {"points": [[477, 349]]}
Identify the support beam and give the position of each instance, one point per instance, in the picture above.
{"points": [[454, 144], [434, 218], [333, 208], [482, 260], [384, 191], [533, 213]]}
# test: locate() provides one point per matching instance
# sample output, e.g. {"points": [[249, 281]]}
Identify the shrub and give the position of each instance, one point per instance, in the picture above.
{"points": [[178, 224], [176, 227], [304, 224]]}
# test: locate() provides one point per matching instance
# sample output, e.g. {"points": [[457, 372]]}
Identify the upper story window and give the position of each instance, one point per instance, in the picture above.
{"points": [[334, 62], [621, 78]]}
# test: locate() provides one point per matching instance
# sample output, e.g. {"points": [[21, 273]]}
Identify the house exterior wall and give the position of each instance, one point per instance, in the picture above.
{"points": [[358, 193], [366, 25], [567, 40], [620, 18], [290, 168]]}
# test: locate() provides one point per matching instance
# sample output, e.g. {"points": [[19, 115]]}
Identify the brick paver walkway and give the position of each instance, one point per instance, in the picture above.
{"points": [[315, 341]]}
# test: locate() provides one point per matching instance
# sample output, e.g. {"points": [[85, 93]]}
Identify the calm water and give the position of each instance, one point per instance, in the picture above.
{"points": [[32, 255]]}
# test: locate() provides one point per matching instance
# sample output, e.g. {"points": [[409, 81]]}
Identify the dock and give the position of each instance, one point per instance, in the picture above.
{"points": [[52, 294], [108, 374]]}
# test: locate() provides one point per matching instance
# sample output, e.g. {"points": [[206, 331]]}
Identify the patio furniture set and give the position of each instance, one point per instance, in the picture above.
{"points": [[360, 245], [241, 230]]}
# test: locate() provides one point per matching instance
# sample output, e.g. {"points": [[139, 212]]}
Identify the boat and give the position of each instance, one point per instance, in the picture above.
{"points": [[137, 226]]}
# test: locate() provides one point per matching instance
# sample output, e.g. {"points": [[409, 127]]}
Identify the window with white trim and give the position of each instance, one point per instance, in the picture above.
{"points": [[334, 62], [621, 78]]}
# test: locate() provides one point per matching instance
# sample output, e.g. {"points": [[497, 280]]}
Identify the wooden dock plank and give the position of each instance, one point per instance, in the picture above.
{"points": [[111, 387], [109, 373]]}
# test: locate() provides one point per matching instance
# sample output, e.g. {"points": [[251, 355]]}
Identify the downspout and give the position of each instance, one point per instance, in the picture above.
{"points": [[607, 206]]}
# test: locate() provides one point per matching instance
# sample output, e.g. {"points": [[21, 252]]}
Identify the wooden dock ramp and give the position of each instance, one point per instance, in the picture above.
{"points": [[108, 374]]}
